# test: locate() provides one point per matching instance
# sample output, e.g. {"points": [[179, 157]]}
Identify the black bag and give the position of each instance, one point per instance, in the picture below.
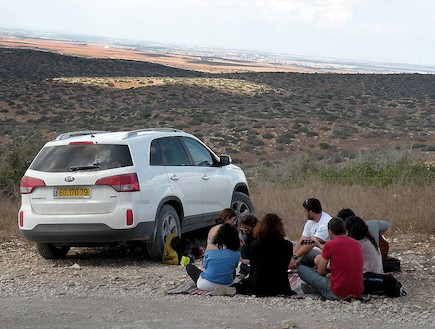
{"points": [[392, 265], [382, 284]]}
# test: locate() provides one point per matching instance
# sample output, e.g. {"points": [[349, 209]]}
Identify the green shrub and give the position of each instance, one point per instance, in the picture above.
{"points": [[430, 148], [285, 138], [324, 146], [386, 168], [257, 142], [418, 146], [15, 159], [311, 133], [145, 114], [247, 148]]}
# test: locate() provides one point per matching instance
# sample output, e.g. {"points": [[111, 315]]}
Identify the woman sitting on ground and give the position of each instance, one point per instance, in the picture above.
{"points": [[227, 215], [377, 228], [358, 230], [220, 260], [247, 225], [270, 257]]}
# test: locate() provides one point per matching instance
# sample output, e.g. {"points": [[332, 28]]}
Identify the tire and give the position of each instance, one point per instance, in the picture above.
{"points": [[242, 204], [167, 222], [50, 251]]}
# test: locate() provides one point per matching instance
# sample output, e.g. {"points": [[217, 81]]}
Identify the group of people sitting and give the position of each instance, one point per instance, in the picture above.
{"points": [[330, 256]]}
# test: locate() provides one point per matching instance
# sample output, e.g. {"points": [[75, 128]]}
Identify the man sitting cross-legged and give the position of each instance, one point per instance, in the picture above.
{"points": [[314, 235], [345, 257]]}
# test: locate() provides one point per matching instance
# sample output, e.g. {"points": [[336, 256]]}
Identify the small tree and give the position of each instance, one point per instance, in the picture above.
{"points": [[14, 162]]}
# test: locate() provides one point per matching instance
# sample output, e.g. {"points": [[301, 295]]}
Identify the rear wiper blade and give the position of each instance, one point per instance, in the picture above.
{"points": [[78, 168]]}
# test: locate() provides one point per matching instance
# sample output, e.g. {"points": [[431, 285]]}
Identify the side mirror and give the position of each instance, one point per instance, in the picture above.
{"points": [[225, 160]]}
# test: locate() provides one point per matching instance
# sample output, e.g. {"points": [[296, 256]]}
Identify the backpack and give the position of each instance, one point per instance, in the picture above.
{"points": [[170, 256], [382, 284], [175, 248], [392, 265]]}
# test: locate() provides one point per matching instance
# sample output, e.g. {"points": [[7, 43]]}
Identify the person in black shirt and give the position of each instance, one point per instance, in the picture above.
{"points": [[269, 259], [247, 225]]}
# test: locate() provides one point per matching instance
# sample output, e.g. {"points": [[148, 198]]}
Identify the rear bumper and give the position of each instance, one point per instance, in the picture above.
{"points": [[87, 234]]}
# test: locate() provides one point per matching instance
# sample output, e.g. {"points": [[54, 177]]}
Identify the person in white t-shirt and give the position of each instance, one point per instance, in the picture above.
{"points": [[314, 234]]}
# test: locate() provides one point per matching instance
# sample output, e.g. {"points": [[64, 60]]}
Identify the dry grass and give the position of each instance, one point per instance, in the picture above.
{"points": [[235, 86], [408, 209], [8, 219]]}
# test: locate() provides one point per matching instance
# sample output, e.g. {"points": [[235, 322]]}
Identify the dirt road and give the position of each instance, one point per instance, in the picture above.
{"points": [[120, 288]]}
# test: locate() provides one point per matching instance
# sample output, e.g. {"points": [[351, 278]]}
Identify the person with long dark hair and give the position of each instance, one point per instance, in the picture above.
{"points": [[377, 229], [269, 258], [247, 226], [227, 215], [358, 230], [220, 260]]}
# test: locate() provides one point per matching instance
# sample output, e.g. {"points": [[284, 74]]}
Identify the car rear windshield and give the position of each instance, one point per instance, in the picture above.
{"points": [[82, 157]]}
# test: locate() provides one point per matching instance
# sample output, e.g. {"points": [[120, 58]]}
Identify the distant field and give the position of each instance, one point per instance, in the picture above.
{"points": [[179, 61]]}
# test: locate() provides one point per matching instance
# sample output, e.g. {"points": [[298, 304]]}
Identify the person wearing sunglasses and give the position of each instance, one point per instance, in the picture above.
{"points": [[247, 225], [314, 234]]}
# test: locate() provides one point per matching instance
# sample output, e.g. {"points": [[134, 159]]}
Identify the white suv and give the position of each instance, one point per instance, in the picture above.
{"points": [[90, 188]]}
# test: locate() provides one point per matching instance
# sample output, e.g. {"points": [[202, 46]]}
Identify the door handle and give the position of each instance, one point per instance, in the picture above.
{"points": [[175, 177], [205, 177]]}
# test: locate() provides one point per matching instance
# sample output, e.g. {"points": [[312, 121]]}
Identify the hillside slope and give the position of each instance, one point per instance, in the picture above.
{"points": [[251, 116]]}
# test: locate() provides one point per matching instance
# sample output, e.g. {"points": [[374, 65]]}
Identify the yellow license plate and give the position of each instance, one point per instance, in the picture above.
{"points": [[72, 192]]}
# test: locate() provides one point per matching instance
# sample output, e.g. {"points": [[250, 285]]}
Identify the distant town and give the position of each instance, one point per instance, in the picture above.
{"points": [[226, 57]]}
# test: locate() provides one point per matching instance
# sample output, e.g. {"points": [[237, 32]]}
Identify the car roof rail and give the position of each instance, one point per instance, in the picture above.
{"points": [[72, 134], [135, 133]]}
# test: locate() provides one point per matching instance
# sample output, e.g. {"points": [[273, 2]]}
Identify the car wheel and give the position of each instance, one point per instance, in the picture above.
{"points": [[50, 251], [242, 204], [167, 223]]}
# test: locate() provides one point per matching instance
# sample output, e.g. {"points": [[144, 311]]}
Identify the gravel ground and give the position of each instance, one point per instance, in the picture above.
{"points": [[120, 288]]}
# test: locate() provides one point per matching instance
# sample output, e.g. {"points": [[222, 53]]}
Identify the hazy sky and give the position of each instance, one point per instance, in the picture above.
{"points": [[383, 30]]}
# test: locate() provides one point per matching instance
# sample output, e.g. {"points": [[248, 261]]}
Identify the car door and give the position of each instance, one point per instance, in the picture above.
{"points": [[216, 183], [184, 178]]}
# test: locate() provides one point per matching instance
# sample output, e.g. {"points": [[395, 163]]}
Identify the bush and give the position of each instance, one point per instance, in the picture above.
{"points": [[248, 148], [375, 168], [14, 162], [267, 136], [324, 146], [285, 138], [430, 148]]}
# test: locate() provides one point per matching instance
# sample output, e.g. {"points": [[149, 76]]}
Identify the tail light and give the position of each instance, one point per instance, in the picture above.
{"points": [[28, 184], [121, 183]]}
